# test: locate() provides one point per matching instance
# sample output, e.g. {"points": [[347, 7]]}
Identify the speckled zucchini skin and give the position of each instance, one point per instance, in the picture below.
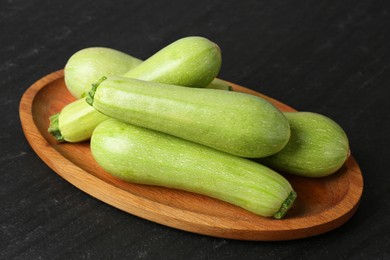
{"points": [[77, 121], [191, 61], [144, 156], [236, 123], [318, 146], [86, 66]]}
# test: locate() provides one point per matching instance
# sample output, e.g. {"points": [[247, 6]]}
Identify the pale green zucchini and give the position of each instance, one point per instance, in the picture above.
{"points": [[88, 65], [144, 156], [318, 146], [75, 122], [233, 122], [191, 61]]}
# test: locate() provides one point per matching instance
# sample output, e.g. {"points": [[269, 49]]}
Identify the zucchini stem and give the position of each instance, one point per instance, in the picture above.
{"points": [[54, 128], [91, 93], [286, 205]]}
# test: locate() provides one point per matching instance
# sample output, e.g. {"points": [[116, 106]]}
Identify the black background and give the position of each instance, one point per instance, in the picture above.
{"points": [[330, 57]]}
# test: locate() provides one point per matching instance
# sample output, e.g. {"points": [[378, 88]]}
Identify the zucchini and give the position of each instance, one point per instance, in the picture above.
{"points": [[144, 156], [233, 122], [75, 122], [318, 146], [191, 61], [87, 65]]}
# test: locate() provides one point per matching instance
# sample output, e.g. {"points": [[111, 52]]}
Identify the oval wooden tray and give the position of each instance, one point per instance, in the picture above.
{"points": [[322, 204]]}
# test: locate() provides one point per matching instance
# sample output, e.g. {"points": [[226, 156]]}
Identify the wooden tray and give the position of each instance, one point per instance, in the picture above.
{"points": [[322, 205]]}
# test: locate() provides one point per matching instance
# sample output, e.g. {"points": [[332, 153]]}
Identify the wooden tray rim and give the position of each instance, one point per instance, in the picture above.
{"points": [[170, 216]]}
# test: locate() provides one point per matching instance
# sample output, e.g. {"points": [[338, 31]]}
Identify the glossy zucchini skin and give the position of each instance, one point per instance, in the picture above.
{"points": [[144, 156], [233, 122], [86, 66], [318, 146], [191, 61]]}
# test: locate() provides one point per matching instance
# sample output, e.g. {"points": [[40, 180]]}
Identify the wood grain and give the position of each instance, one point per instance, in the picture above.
{"points": [[322, 204]]}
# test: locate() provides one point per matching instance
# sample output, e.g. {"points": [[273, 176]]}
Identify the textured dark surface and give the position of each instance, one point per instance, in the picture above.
{"points": [[331, 57]]}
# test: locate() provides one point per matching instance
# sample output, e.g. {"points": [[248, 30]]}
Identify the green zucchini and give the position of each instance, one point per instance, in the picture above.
{"points": [[144, 156], [87, 65], [191, 61], [75, 122], [233, 122], [318, 146]]}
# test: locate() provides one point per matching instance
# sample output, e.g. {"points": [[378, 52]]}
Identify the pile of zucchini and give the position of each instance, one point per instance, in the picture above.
{"points": [[168, 121]]}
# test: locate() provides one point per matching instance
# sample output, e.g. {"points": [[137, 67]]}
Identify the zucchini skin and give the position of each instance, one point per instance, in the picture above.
{"points": [[191, 61], [88, 65], [233, 122], [77, 120], [318, 146], [144, 156]]}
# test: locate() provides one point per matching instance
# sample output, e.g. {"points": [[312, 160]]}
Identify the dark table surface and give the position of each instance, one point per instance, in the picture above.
{"points": [[330, 57]]}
